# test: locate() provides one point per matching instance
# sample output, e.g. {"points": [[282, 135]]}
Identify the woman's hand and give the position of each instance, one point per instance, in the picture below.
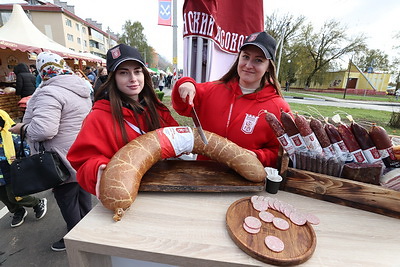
{"points": [[187, 91], [16, 129]]}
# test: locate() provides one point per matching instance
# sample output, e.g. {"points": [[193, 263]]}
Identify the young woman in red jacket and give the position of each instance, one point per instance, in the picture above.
{"points": [[125, 107], [234, 106]]}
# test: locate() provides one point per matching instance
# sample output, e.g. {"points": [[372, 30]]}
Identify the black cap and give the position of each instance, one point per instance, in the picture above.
{"points": [[264, 41], [122, 53]]}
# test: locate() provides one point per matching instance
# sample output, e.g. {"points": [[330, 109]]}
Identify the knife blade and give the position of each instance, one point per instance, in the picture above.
{"points": [[198, 126]]}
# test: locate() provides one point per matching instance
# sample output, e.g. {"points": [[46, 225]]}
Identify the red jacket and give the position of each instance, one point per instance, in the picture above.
{"points": [[224, 110], [97, 141]]}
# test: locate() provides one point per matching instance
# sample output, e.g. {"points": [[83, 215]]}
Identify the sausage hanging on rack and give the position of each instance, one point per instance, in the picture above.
{"points": [[367, 145]]}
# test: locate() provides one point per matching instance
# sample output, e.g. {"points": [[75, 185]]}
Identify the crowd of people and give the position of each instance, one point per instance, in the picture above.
{"points": [[88, 115]]}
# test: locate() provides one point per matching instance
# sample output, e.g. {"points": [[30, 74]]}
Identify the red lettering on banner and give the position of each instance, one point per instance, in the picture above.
{"points": [[225, 22]]}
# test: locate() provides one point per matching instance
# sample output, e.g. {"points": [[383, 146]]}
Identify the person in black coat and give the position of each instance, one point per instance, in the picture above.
{"points": [[26, 81]]}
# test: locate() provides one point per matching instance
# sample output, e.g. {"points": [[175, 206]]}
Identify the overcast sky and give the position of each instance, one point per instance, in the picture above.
{"points": [[378, 20]]}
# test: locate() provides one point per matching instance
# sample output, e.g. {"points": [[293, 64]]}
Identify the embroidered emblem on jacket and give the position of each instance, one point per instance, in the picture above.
{"points": [[249, 123]]}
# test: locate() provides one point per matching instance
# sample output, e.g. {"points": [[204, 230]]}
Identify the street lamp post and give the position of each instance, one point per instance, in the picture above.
{"points": [[280, 49]]}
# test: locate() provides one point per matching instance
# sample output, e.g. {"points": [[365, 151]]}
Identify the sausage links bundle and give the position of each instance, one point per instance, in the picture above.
{"points": [[120, 181]]}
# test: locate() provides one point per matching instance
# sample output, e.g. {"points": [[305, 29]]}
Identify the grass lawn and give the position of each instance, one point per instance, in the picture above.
{"points": [[380, 98]]}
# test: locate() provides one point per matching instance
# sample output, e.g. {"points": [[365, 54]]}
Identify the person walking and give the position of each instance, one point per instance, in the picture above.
{"points": [[240, 98], [9, 143], [54, 116], [161, 82]]}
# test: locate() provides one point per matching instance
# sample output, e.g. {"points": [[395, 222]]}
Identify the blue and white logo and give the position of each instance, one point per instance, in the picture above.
{"points": [[164, 10]]}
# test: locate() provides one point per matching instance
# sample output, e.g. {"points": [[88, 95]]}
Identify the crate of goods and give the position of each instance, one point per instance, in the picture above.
{"points": [[9, 103]]}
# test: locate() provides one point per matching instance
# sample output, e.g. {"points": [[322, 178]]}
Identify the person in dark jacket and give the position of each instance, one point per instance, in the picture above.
{"points": [[26, 81]]}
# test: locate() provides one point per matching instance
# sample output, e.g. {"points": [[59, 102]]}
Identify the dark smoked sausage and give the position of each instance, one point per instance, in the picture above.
{"points": [[351, 143], [307, 133], [384, 145], [318, 128], [337, 142], [292, 131], [280, 134], [367, 145]]}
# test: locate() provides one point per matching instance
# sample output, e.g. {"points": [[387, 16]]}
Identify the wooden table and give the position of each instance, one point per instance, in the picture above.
{"points": [[188, 229]]}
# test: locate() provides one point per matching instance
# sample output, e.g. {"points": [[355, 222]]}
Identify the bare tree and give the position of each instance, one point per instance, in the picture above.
{"points": [[286, 29], [372, 59], [327, 45], [133, 36]]}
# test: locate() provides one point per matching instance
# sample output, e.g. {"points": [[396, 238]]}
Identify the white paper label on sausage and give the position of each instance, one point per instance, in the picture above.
{"points": [[359, 156], [372, 155], [312, 143], [329, 151], [388, 152], [298, 142], [286, 143], [342, 146], [181, 138]]}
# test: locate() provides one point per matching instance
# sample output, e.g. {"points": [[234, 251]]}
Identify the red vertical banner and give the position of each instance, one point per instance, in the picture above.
{"points": [[213, 32], [226, 22], [164, 12]]}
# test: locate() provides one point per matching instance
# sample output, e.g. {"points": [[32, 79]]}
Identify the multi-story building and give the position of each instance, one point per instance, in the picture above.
{"points": [[59, 22]]}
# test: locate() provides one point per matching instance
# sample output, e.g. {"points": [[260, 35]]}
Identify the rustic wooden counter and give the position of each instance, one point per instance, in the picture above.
{"points": [[188, 229]]}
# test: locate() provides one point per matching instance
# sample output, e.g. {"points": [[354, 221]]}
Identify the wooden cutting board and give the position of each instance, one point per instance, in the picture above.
{"points": [[300, 241], [195, 176]]}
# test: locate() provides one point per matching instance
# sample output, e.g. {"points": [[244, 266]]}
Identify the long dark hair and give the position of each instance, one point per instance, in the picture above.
{"points": [[118, 100], [269, 76]]}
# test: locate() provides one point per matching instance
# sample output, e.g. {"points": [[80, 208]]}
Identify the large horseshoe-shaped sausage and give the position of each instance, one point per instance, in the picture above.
{"points": [[119, 184]]}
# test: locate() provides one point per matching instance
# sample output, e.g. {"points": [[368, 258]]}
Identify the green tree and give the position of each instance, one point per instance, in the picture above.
{"points": [[396, 63], [133, 36], [327, 45], [372, 58], [286, 29]]}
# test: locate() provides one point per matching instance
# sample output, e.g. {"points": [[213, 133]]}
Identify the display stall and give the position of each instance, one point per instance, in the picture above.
{"points": [[193, 227]]}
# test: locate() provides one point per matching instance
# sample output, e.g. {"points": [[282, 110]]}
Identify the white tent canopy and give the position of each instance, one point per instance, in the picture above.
{"points": [[20, 33]]}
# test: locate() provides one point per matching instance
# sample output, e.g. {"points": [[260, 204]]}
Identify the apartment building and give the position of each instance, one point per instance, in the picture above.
{"points": [[59, 22]]}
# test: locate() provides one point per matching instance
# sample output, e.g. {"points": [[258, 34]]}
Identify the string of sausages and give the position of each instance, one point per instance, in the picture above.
{"points": [[323, 147]]}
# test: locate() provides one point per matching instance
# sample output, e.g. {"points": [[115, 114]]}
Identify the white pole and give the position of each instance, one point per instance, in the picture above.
{"points": [[175, 37], [280, 50], [199, 59]]}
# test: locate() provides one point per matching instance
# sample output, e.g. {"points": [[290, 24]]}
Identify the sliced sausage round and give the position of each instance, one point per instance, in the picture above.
{"points": [[274, 243]]}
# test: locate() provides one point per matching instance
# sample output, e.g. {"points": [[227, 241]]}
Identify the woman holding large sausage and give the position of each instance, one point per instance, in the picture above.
{"points": [[125, 107], [234, 106]]}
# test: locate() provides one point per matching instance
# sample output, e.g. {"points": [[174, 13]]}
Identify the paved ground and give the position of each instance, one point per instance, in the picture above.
{"points": [[29, 244]]}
